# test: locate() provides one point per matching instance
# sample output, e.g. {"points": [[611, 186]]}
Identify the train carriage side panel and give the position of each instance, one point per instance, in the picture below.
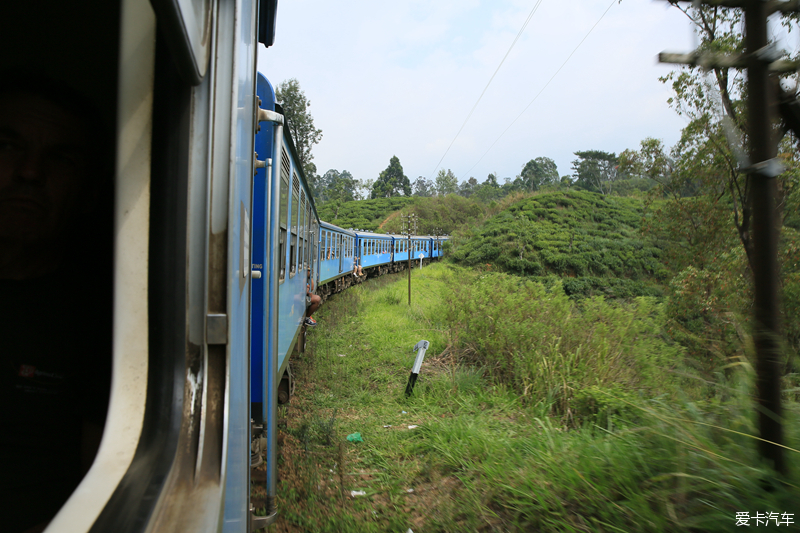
{"points": [[264, 147], [375, 249], [337, 248]]}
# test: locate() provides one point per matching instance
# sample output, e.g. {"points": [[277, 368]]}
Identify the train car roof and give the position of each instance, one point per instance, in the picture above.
{"points": [[413, 236], [328, 225], [373, 235]]}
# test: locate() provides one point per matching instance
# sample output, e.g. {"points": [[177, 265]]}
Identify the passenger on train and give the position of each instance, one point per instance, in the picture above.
{"points": [[313, 301], [357, 271], [55, 309]]}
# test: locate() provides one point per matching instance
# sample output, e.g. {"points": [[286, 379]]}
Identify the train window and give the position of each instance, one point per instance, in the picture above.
{"points": [[295, 214], [301, 223], [309, 232], [284, 214], [300, 232], [68, 370]]}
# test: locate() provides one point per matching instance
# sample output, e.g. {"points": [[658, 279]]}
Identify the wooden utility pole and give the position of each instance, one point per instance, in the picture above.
{"points": [[761, 61], [409, 228]]}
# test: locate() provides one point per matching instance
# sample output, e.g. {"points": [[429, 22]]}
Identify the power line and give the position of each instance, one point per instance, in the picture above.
{"points": [[530, 15], [543, 88]]}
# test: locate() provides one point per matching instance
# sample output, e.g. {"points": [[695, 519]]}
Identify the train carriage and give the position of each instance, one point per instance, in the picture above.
{"points": [[337, 248], [375, 251]]}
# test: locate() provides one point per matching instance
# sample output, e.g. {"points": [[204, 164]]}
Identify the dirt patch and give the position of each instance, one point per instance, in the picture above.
{"points": [[390, 217]]}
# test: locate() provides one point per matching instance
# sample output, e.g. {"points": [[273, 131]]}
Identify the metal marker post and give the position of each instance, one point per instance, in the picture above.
{"points": [[421, 347]]}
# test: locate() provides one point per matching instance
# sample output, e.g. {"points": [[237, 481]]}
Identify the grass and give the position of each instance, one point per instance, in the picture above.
{"points": [[659, 454]]}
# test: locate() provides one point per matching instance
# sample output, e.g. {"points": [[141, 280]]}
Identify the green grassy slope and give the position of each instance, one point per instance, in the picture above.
{"points": [[592, 241], [362, 214], [533, 412]]}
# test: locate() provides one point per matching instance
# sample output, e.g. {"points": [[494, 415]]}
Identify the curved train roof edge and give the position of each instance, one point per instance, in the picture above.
{"points": [[292, 149], [334, 227]]}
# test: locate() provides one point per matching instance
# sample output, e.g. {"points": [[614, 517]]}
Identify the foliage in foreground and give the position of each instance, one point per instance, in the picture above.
{"points": [[549, 348], [485, 458]]}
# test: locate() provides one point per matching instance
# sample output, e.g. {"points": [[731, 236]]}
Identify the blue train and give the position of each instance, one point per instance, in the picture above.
{"points": [[178, 279]]}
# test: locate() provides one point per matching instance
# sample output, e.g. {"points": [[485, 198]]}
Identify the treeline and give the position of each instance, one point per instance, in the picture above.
{"points": [[592, 170]]}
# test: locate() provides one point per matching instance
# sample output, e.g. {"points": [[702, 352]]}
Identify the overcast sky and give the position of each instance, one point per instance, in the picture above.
{"points": [[399, 78]]}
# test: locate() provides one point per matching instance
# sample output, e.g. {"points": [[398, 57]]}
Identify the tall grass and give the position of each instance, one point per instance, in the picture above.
{"points": [[533, 413], [550, 348]]}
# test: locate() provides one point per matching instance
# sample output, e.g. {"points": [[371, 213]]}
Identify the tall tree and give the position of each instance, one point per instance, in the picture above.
{"points": [[727, 112], [538, 172], [446, 182], [467, 188], [300, 123], [423, 187], [595, 170], [392, 181], [337, 186]]}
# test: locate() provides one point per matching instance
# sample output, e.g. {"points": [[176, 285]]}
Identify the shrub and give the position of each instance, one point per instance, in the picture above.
{"points": [[550, 348]]}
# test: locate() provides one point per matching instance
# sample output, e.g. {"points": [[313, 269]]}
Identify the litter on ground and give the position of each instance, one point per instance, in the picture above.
{"points": [[355, 437]]}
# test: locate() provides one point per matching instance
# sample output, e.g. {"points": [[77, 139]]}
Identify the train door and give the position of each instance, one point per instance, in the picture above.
{"points": [[339, 254]]}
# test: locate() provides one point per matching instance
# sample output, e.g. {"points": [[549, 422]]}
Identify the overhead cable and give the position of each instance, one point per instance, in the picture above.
{"points": [[543, 88], [519, 34]]}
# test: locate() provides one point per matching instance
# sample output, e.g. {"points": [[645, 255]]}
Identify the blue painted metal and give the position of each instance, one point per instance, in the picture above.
{"points": [[336, 249], [264, 147], [236, 442], [375, 249]]}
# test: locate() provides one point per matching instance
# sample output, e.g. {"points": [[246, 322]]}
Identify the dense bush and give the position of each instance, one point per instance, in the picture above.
{"points": [[571, 233], [442, 213], [547, 346]]}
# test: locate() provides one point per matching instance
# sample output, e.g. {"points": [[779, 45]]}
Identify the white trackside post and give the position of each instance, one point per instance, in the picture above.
{"points": [[421, 347]]}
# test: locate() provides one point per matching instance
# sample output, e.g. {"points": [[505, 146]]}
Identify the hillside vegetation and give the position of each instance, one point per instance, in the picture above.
{"points": [[593, 241], [532, 412], [362, 214]]}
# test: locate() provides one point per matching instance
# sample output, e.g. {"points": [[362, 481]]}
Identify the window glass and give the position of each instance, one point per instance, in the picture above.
{"points": [[284, 212], [295, 219]]}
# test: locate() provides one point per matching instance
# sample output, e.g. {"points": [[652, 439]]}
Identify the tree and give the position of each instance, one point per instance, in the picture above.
{"points": [[595, 170], [538, 172], [300, 124], [446, 182], [489, 190], [392, 181], [337, 186], [712, 159], [423, 187], [467, 188]]}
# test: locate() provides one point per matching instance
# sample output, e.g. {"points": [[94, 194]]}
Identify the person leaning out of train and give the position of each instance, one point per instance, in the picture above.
{"points": [[313, 301], [357, 271]]}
